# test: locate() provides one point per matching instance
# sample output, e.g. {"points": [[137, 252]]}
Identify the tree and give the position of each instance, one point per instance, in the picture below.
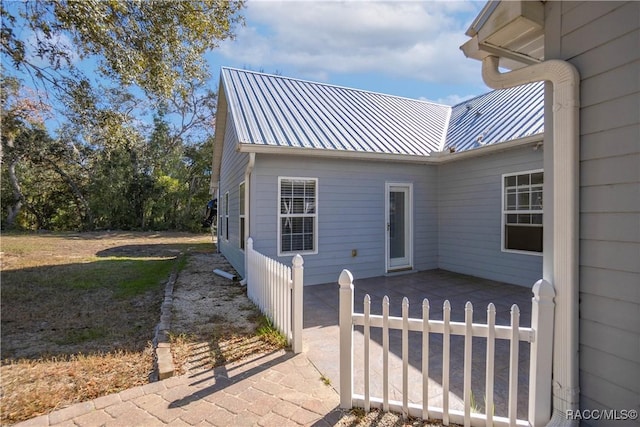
{"points": [[22, 132], [113, 168], [156, 45]]}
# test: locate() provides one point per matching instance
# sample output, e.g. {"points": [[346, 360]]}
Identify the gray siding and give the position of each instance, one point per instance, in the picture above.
{"points": [[351, 213], [231, 175], [602, 39], [470, 209]]}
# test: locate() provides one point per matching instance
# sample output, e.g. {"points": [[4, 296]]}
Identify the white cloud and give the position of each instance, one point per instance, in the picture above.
{"points": [[418, 40], [453, 99]]}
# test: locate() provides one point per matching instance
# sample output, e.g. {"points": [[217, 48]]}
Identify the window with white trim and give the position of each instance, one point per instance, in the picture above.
{"points": [[297, 215], [522, 211], [226, 216], [241, 198]]}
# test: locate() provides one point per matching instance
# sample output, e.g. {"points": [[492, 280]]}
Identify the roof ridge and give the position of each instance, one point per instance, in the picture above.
{"points": [[422, 101]]}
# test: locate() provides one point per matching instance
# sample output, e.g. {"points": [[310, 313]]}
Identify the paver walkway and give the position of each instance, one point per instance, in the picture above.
{"points": [[279, 389]]}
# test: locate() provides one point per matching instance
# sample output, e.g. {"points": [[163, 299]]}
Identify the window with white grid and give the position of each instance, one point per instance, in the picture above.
{"points": [[522, 211], [297, 215]]}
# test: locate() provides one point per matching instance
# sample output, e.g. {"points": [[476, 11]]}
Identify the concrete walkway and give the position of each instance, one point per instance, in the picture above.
{"points": [[279, 389]]}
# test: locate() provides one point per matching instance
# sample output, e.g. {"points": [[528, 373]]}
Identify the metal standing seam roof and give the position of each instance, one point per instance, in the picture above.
{"points": [[498, 116], [278, 111]]}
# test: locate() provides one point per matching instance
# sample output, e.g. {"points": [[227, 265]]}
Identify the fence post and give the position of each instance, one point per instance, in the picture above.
{"points": [[345, 282], [541, 357], [297, 302]]}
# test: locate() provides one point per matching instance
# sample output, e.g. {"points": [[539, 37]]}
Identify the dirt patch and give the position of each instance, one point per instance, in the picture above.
{"points": [[203, 299], [212, 316]]}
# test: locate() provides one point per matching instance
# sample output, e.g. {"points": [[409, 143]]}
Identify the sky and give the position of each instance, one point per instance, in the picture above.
{"points": [[404, 48]]}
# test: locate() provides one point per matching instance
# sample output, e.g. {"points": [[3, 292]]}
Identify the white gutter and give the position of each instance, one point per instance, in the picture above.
{"points": [[435, 157], [445, 157], [561, 267], [326, 153]]}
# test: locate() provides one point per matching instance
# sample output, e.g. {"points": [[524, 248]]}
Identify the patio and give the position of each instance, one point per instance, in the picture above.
{"points": [[321, 335]]}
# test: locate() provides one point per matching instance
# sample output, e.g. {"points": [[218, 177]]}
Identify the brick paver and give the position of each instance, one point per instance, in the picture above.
{"points": [[279, 389]]}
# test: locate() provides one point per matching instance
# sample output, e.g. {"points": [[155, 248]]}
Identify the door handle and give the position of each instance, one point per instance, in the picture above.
{"points": [[388, 227]]}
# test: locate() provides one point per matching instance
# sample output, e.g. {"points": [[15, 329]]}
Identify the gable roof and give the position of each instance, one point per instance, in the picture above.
{"points": [[285, 112], [272, 111]]}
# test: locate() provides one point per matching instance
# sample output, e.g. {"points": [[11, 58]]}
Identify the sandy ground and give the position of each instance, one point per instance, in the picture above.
{"points": [[212, 315], [203, 299]]}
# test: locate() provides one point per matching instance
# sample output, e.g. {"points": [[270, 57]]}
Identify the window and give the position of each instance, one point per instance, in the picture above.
{"points": [[241, 216], [226, 216], [298, 215], [522, 211]]}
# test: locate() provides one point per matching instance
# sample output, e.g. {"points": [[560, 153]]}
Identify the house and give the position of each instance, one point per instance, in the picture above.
{"points": [[588, 53], [378, 183], [383, 185]]}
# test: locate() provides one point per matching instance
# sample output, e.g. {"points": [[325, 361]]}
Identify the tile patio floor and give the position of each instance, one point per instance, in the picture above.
{"points": [[321, 335]]}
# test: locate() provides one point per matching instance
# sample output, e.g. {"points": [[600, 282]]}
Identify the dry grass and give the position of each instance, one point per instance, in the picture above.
{"points": [[78, 313], [359, 418], [36, 387]]}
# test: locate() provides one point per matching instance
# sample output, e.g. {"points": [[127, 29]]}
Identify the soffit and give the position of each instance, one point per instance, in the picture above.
{"points": [[513, 30]]}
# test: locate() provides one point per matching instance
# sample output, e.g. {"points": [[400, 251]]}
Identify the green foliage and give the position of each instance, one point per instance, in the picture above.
{"points": [[78, 336], [148, 275], [157, 45], [105, 167], [268, 332], [125, 180], [123, 276]]}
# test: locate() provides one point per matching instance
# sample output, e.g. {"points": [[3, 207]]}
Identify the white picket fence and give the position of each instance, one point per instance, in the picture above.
{"points": [[539, 335], [277, 291]]}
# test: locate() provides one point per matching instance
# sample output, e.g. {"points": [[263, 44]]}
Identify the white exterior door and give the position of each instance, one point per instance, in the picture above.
{"points": [[399, 222]]}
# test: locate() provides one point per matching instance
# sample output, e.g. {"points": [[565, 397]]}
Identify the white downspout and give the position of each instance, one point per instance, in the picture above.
{"points": [[247, 193], [561, 267]]}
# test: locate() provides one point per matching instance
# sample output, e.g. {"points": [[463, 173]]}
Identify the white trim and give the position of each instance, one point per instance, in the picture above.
{"points": [[314, 216], [502, 214], [445, 157], [241, 215], [226, 217], [435, 157], [247, 206], [408, 231]]}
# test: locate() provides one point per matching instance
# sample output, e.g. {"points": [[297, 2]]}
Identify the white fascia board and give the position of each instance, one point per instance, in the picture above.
{"points": [[433, 158], [445, 157], [341, 154]]}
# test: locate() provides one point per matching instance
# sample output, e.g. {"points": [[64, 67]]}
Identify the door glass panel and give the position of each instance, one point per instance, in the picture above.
{"points": [[396, 224]]}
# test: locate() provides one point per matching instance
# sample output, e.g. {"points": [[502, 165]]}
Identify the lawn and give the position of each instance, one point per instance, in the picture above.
{"points": [[79, 312]]}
